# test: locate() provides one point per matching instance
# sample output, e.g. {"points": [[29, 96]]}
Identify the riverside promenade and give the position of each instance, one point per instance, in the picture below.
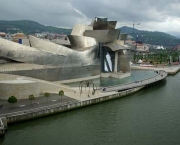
{"points": [[160, 75], [171, 70], [80, 99]]}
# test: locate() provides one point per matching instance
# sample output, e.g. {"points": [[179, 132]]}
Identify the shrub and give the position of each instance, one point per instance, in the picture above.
{"points": [[12, 100]]}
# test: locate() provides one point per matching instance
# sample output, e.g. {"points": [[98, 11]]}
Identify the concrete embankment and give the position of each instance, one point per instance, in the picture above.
{"points": [[54, 109], [169, 70], [3, 126]]}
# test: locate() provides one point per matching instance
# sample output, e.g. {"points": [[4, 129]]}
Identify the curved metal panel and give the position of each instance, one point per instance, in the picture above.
{"points": [[112, 35], [61, 42], [79, 29], [5, 60], [123, 36], [82, 43], [50, 47], [99, 35], [99, 23], [27, 54], [112, 24], [115, 47], [123, 61], [72, 56]]}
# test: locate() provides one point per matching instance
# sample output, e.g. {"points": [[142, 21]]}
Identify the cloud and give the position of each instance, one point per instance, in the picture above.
{"points": [[162, 15]]}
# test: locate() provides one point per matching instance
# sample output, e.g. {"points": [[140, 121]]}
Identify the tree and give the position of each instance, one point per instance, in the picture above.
{"points": [[12, 100], [31, 97], [61, 93], [47, 95], [151, 62]]}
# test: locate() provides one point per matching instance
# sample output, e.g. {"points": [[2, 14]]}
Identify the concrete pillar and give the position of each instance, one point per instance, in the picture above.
{"points": [[116, 61]]}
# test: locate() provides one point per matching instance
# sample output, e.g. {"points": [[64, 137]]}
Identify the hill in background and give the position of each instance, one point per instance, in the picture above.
{"points": [[152, 37], [31, 27]]}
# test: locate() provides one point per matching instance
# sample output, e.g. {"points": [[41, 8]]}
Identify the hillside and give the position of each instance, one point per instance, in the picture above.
{"points": [[29, 27], [152, 37]]}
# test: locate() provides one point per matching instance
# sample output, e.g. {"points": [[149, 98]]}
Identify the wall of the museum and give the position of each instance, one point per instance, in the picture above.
{"points": [[21, 89], [57, 74]]}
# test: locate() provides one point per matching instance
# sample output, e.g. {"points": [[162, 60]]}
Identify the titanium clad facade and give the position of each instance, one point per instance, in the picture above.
{"points": [[99, 35], [99, 24], [91, 49], [79, 29], [112, 35], [112, 24], [71, 56], [82, 43]]}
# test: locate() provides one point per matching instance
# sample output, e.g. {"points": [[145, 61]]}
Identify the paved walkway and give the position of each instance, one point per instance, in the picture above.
{"points": [[25, 104], [75, 95], [160, 75], [86, 93], [170, 70]]}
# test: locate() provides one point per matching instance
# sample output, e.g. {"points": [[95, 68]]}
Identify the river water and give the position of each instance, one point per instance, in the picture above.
{"points": [[148, 117]]}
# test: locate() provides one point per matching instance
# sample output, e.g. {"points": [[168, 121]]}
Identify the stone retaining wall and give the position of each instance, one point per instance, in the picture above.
{"points": [[49, 110], [19, 88]]}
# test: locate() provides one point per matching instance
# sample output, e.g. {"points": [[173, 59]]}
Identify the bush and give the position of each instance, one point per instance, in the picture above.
{"points": [[12, 100], [151, 62]]}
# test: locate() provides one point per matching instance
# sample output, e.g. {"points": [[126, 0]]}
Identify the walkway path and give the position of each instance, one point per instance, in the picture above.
{"points": [[168, 69], [160, 75], [41, 102], [73, 94]]}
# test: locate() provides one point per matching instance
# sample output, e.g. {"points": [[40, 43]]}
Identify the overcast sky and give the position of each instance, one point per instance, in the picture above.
{"points": [[154, 15]]}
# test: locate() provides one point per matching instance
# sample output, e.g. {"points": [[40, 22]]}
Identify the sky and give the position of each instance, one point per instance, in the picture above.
{"points": [[153, 15]]}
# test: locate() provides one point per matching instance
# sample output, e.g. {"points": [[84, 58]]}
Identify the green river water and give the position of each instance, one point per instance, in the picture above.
{"points": [[148, 117]]}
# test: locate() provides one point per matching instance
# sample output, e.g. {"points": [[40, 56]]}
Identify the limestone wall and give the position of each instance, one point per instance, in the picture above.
{"points": [[21, 89], [53, 109], [59, 74], [44, 86]]}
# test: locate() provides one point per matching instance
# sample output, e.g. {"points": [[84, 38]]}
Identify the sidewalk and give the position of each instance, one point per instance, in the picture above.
{"points": [[169, 69], [41, 101]]}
